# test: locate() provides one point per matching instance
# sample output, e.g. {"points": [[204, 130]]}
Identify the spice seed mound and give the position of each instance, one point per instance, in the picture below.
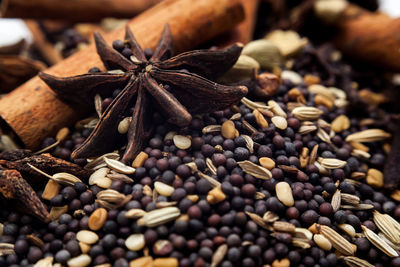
{"points": [[286, 176]]}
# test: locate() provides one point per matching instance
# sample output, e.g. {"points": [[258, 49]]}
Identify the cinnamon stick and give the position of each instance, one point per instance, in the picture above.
{"points": [[366, 36], [33, 110], [46, 49], [244, 31], [74, 10]]}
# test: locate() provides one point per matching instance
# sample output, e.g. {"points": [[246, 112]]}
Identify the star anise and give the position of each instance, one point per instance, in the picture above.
{"points": [[187, 92]]}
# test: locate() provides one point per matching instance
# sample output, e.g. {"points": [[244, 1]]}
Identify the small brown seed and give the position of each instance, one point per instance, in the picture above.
{"points": [[140, 159], [311, 79], [286, 227], [216, 195], [267, 163], [396, 195], [359, 146], [281, 263], [261, 121], [85, 248], [165, 262], [323, 101], [62, 134], [374, 178], [51, 190], [56, 212], [135, 213], [97, 219], [146, 261], [321, 90], [228, 129], [348, 229], [294, 94], [322, 242], [340, 123], [34, 240]]}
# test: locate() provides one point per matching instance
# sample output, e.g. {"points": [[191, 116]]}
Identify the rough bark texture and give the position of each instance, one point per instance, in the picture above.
{"points": [[46, 163], [74, 10], [33, 111], [244, 31]]}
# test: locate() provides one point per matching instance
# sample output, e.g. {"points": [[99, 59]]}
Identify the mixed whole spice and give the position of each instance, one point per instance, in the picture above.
{"points": [[288, 175]]}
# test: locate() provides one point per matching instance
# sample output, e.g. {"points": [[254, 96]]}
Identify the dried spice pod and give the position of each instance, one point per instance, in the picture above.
{"points": [[189, 92], [13, 155], [15, 188], [46, 163]]}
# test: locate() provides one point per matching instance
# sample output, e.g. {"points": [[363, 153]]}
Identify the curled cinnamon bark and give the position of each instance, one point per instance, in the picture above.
{"points": [[364, 35], [74, 10]]}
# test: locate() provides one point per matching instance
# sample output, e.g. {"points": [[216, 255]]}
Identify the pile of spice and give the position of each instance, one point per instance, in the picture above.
{"points": [[288, 176]]}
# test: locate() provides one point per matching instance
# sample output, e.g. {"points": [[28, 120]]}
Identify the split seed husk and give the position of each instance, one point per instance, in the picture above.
{"points": [[322, 242], [255, 170], [87, 237], [135, 242], [163, 189], [366, 136], [118, 166], [378, 242], [182, 142], [307, 113], [79, 261], [228, 129], [97, 219], [284, 193]]}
